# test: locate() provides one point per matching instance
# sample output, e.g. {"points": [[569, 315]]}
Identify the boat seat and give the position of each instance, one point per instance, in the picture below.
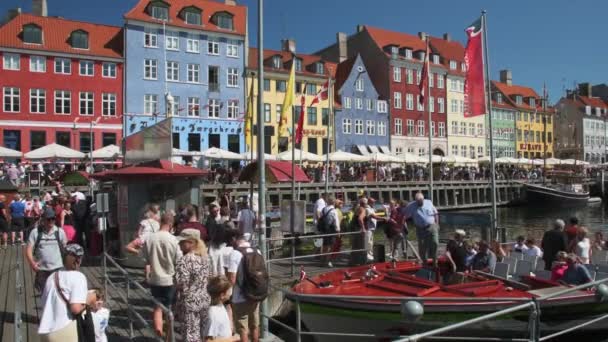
{"points": [[523, 268], [540, 264], [501, 269], [475, 289], [517, 255], [403, 289], [512, 264], [531, 259], [543, 274]]}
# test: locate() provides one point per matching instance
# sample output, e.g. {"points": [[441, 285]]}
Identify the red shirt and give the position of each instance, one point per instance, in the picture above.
{"points": [[571, 232]]}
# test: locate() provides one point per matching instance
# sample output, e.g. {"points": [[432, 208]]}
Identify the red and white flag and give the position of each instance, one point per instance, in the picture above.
{"points": [[424, 75], [300, 129], [302, 274], [474, 84], [322, 94]]}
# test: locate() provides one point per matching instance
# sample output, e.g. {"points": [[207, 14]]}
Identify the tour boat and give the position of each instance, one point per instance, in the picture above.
{"points": [[322, 310], [562, 194]]}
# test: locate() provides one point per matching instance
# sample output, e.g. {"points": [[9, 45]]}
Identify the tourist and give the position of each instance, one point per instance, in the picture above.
{"points": [[149, 224], [328, 224], [598, 242], [64, 298], [17, 210], [559, 266], [192, 222], [219, 250], [319, 205], [367, 219], [572, 232], [66, 222], [485, 259], [426, 220], [456, 251], [553, 242], [3, 222], [191, 275], [81, 215], [533, 250], [396, 230], [14, 175], [100, 314], [520, 246], [213, 223], [575, 274], [583, 246], [246, 221], [45, 247], [471, 249], [496, 247], [219, 325]]}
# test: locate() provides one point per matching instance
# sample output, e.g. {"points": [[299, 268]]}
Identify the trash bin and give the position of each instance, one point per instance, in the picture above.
{"points": [[379, 253]]}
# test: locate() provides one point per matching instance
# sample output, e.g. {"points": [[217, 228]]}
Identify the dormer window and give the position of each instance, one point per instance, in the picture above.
{"points": [[453, 65], [276, 62], [421, 56], [408, 53], [159, 10], [532, 102], [32, 34], [192, 15], [498, 98], [79, 39], [598, 111], [463, 67], [319, 68], [588, 110], [298, 62], [518, 99], [394, 51], [436, 59], [223, 20]]}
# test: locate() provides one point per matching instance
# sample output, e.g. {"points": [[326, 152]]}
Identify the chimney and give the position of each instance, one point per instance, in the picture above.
{"points": [[342, 46], [39, 8], [506, 77], [289, 45], [584, 89], [446, 37], [422, 35], [230, 2], [12, 13], [360, 28]]}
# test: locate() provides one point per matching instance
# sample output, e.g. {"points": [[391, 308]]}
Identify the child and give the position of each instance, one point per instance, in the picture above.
{"points": [[101, 315], [219, 326]]}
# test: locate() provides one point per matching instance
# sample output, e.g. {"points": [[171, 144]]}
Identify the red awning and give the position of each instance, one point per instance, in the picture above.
{"points": [[276, 172], [156, 168]]}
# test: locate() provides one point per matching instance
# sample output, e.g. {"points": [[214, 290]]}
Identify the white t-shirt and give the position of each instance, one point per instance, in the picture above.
{"points": [[534, 251], [218, 323], [246, 220], [219, 259], [582, 250], [319, 205], [55, 315], [100, 323], [234, 266], [147, 227]]}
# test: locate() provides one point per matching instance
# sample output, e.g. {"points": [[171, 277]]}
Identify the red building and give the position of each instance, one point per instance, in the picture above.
{"points": [[60, 79]]}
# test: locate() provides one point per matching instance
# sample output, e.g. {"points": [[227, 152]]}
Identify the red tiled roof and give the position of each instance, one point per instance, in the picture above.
{"points": [[276, 172], [593, 102], [307, 60], [450, 51], [104, 41], [156, 168], [384, 37], [526, 92], [208, 7]]}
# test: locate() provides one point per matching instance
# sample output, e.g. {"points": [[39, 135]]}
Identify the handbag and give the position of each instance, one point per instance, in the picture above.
{"points": [[84, 319]]}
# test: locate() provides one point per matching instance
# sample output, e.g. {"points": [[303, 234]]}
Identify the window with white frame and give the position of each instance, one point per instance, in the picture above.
{"points": [[461, 106], [418, 76], [194, 106], [86, 68], [397, 74], [420, 106], [359, 127], [398, 127], [453, 65], [441, 105], [150, 104], [160, 12], [460, 84], [11, 61], [381, 128], [37, 64], [232, 48], [498, 98], [359, 84], [193, 45], [382, 107], [370, 127], [150, 38], [479, 129], [409, 101], [433, 128], [346, 126], [420, 128], [436, 59], [63, 102], [397, 100], [233, 77], [213, 46], [411, 150], [408, 53], [86, 103], [454, 150], [479, 150], [279, 110], [463, 150], [398, 151], [471, 129], [267, 112], [463, 128], [108, 104], [454, 128], [421, 152], [150, 69], [11, 99], [347, 102], [233, 109], [431, 79], [192, 16], [463, 67], [172, 40], [276, 62], [440, 81], [411, 128], [454, 106], [518, 99], [63, 66], [409, 75], [369, 104], [37, 101], [214, 108], [442, 129], [358, 103], [194, 73], [432, 104], [108, 69], [172, 71]]}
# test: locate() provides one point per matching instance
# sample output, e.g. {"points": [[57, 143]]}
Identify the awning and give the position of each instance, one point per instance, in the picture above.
{"points": [[156, 168], [8, 153], [276, 172], [374, 149], [385, 149], [54, 151], [363, 150]]}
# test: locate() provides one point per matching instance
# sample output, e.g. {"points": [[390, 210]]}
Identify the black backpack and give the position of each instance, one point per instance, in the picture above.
{"points": [[324, 225], [255, 281]]}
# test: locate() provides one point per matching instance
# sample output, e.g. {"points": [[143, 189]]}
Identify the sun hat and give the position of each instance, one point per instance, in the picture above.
{"points": [[189, 234]]}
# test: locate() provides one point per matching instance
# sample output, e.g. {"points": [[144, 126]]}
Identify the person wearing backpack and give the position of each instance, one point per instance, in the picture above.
{"points": [[249, 276], [45, 248], [329, 224]]}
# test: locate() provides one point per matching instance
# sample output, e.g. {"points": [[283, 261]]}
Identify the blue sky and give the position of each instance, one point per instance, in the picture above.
{"points": [[558, 42]]}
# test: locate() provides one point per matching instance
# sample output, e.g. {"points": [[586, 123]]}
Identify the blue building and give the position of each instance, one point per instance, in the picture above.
{"points": [[185, 59], [361, 123]]}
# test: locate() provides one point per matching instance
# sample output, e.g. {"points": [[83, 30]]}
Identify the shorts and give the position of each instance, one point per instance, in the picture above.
{"points": [[328, 240], [18, 224], [164, 294], [3, 226], [246, 316]]}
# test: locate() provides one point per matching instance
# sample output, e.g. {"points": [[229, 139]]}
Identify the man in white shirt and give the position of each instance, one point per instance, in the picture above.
{"points": [[331, 222], [319, 205], [246, 221], [64, 297]]}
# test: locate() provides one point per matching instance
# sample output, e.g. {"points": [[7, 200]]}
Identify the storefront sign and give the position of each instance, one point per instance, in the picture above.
{"points": [[315, 132], [531, 147]]}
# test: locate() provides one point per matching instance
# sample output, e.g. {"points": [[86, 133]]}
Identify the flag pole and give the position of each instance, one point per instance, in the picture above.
{"points": [[329, 99], [292, 209], [428, 105], [489, 106]]}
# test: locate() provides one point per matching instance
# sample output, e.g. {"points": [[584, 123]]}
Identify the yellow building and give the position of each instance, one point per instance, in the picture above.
{"points": [[311, 73], [533, 124]]}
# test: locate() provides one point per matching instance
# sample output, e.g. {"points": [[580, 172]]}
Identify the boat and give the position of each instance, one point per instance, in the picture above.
{"points": [[565, 189], [323, 310]]}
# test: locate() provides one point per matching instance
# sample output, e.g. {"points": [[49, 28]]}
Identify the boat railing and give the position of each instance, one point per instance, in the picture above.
{"points": [[533, 305]]}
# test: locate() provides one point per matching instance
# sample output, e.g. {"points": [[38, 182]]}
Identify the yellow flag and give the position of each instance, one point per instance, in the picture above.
{"points": [[249, 115], [288, 101]]}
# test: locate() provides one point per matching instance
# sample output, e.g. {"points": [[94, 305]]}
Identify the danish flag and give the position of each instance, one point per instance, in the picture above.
{"points": [[322, 94]]}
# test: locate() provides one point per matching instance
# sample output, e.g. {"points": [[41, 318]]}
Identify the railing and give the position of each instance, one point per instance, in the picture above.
{"points": [[131, 312], [534, 305], [19, 271]]}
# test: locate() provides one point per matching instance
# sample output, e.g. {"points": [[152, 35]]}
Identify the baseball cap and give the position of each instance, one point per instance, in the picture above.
{"points": [[49, 213], [189, 234], [74, 249]]}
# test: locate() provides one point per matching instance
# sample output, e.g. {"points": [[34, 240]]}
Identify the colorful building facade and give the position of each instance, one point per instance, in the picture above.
{"points": [[185, 59], [503, 128], [361, 120], [60, 81], [311, 73]]}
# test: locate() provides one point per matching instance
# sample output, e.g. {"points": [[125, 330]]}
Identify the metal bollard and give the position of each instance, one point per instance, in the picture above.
{"points": [[533, 321], [171, 325], [298, 321], [128, 284]]}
